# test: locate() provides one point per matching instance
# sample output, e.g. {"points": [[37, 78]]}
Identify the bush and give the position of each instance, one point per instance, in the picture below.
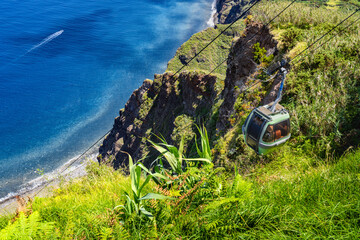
{"points": [[290, 37]]}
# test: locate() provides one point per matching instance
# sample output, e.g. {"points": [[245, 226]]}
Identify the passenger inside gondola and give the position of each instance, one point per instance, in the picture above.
{"points": [[277, 131]]}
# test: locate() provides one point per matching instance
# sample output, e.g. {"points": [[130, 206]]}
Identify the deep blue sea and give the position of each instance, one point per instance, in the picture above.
{"points": [[67, 67]]}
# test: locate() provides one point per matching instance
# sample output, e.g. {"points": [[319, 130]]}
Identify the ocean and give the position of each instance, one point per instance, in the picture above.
{"points": [[67, 67]]}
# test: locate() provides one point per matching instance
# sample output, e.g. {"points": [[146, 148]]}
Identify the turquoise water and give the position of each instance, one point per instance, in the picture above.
{"points": [[67, 67]]}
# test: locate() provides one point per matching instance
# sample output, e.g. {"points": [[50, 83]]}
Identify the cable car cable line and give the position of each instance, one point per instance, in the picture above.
{"points": [[222, 32], [267, 24]]}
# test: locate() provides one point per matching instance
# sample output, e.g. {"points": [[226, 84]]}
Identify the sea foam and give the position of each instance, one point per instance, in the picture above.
{"points": [[211, 21]]}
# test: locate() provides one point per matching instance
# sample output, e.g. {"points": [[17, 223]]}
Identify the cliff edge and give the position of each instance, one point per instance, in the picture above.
{"points": [[171, 105]]}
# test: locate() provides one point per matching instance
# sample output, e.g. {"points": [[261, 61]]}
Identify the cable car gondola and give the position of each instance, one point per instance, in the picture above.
{"points": [[268, 126]]}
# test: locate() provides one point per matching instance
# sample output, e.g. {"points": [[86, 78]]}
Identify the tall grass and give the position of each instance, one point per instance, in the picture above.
{"points": [[85, 207], [290, 198]]}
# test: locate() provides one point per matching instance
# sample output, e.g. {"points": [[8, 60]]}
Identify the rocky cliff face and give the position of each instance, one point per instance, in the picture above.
{"points": [[166, 107], [229, 10], [170, 106], [241, 65]]}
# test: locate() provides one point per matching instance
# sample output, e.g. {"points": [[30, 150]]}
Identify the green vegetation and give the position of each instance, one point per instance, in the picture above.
{"points": [[29, 228], [322, 91], [134, 203], [308, 189], [183, 128], [212, 56], [260, 55], [291, 197]]}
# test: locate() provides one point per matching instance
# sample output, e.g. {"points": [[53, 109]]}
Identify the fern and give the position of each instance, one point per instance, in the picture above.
{"points": [[219, 204], [29, 228], [240, 188]]}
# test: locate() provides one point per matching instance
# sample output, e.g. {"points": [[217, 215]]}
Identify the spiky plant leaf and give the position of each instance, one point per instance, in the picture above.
{"points": [[205, 151]]}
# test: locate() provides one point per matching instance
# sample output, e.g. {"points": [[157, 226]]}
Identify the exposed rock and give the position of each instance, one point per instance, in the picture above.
{"points": [[183, 59], [153, 108], [241, 65], [229, 10], [123, 131]]}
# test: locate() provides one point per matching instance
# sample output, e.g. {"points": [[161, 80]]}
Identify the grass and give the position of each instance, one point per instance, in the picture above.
{"points": [[319, 202], [333, 4], [212, 56], [291, 197], [85, 208]]}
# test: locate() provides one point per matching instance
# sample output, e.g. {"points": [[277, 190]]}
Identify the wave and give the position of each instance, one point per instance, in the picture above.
{"points": [[75, 167], [211, 21]]}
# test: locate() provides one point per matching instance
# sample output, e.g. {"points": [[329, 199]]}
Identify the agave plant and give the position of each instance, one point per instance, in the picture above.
{"points": [[134, 203]]}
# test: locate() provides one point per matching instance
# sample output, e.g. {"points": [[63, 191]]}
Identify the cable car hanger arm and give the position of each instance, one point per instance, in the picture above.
{"points": [[279, 95]]}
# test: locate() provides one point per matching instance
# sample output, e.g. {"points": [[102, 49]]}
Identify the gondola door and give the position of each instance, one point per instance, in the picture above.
{"points": [[254, 130]]}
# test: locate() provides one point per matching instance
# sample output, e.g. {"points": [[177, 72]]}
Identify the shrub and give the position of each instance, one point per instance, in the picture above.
{"points": [[290, 37], [260, 55]]}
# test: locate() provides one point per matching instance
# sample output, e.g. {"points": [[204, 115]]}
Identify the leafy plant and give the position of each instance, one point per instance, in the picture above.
{"points": [[205, 151], [260, 54], [134, 202], [29, 228], [290, 37], [175, 157]]}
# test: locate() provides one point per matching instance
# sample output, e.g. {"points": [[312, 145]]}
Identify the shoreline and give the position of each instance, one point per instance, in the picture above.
{"points": [[43, 185], [211, 21]]}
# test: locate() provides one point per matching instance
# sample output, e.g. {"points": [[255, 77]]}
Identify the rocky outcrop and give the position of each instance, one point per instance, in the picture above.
{"points": [[229, 10], [158, 107], [123, 135], [241, 65]]}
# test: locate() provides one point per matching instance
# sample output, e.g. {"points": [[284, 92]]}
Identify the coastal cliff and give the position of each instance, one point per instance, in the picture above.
{"points": [[228, 11], [165, 107], [171, 105]]}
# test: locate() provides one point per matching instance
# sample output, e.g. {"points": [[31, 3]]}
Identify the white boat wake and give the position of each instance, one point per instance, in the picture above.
{"points": [[45, 41], [42, 43]]}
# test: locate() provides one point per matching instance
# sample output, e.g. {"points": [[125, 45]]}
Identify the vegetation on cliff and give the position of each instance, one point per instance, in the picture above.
{"points": [[212, 56], [309, 188]]}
